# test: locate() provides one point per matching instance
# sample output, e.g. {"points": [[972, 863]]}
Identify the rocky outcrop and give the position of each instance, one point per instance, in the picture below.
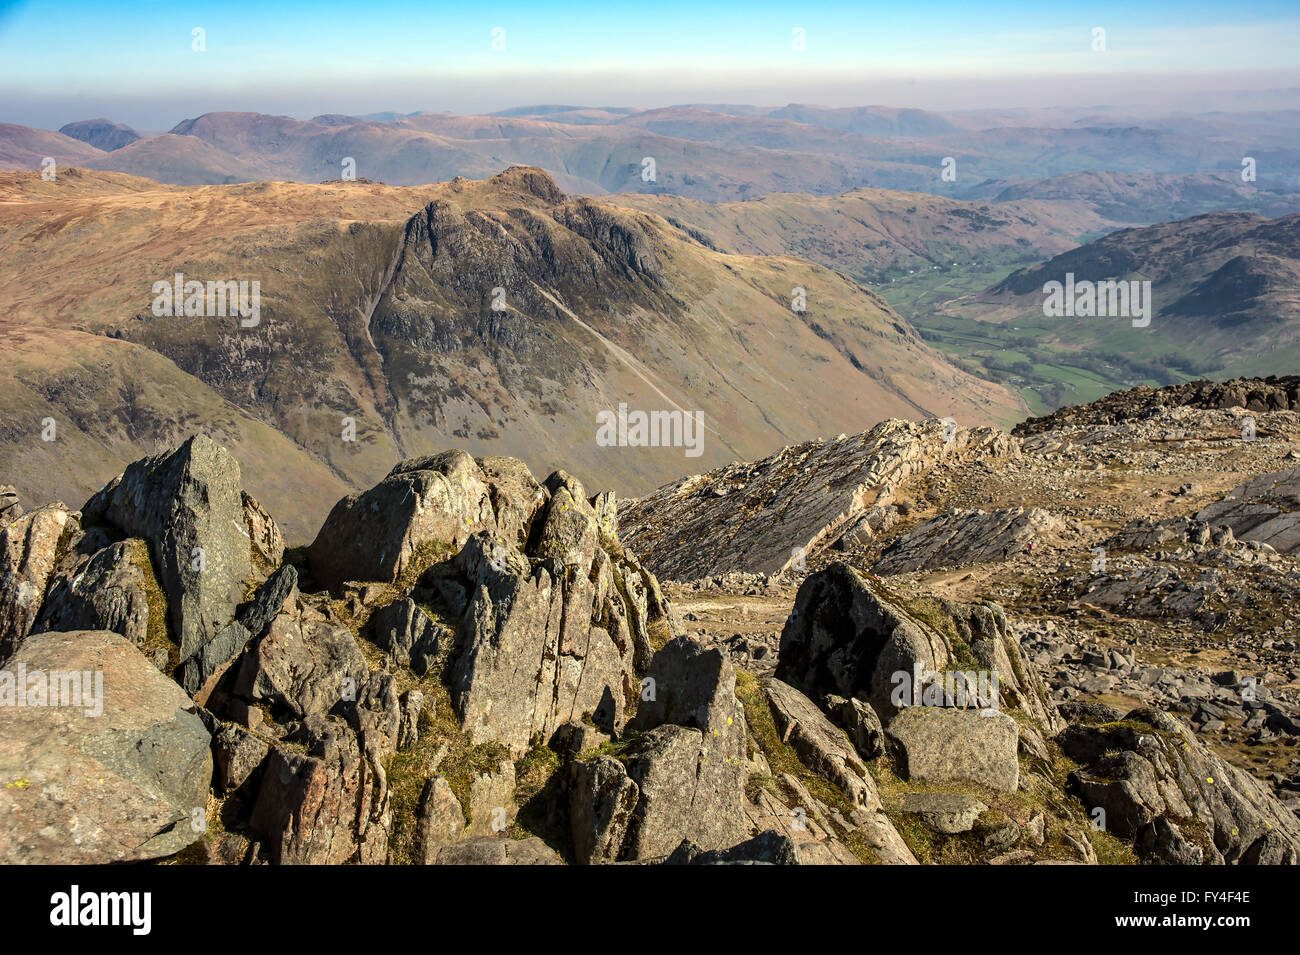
{"points": [[406, 632], [683, 778], [29, 550], [820, 745], [327, 807], [767, 516], [849, 637], [966, 536], [1264, 509], [119, 773], [1274, 393], [1159, 786], [189, 506], [105, 592], [434, 503]]}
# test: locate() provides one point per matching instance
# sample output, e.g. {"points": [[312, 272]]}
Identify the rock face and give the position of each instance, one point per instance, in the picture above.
{"points": [[127, 785], [1265, 509], [966, 536], [106, 592], [551, 632], [682, 779], [29, 550], [940, 745], [821, 745], [763, 517], [849, 638], [435, 501], [189, 506], [1161, 787], [407, 632]]}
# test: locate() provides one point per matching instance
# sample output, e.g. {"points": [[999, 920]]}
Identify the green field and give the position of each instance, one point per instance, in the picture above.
{"points": [[1050, 361]]}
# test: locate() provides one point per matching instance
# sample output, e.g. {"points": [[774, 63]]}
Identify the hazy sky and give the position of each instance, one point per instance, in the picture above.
{"points": [[135, 61]]}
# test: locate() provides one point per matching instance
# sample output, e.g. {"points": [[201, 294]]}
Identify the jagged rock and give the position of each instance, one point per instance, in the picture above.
{"points": [[303, 663], [939, 745], [820, 745], [434, 501], [263, 532], [495, 850], [270, 599], [237, 753], [10, 507], [325, 808], [408, 730], [685, 773], [860, 721], [408, 633], [188, 505], [810, 495], [439, 820], [966, 536], [567, 530], [696, 688], [196, 672], [29, 552], [106, 592], [602, 800], [492, 801], [518, 617], [1265, 509], [120, 787], [846, 637], [1164, 789], [948, 813], [843, 638], [766, 848], [672, 806]]}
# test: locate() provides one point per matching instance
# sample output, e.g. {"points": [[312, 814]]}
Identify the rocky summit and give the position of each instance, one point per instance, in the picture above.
{"points": [[922, 644]]}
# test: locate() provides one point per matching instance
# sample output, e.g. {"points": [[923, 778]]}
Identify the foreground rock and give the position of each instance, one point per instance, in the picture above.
{"points": [[435, 502], [189, 506], [767, 516], [683, 779], [29, 550], [850, 638], [81, 788], [1159, 786]]}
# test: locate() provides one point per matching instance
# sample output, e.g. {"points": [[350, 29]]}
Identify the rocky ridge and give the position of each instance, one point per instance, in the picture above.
{"points": [[472, 666]]}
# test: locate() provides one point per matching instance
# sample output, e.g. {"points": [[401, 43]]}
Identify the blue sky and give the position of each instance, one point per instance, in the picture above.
{"points": [[302, 59]]}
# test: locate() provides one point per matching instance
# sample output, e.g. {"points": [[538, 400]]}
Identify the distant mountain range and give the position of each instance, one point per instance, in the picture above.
{"points": [[498, 315], [1154, 168]]}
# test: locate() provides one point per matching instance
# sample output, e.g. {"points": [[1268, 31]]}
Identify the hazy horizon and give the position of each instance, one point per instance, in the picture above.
{"points": [[137, 64]]}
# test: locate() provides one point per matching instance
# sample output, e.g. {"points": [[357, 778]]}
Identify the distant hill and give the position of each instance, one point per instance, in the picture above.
{"points": [[720, 152], [377, 307], [101, 133]]}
